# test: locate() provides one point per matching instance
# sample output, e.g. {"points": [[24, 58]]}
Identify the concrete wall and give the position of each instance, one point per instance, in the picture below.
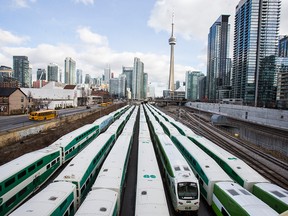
{"points": [[271, 117]]}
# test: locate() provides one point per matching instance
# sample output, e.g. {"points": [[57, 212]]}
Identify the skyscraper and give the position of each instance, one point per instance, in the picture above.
{"points": [[107, 74], [53, 72], [218, 61], [172, 43], [21, 70], [137, 79], [283, 46], [69, 71], [41, 74], [128, 72], [145, 85], [192, 85], [79, 76], [255, 48]]}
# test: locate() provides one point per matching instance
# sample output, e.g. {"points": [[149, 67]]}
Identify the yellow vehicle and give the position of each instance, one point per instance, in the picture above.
{"points": [[103, 104], [43, 115]]}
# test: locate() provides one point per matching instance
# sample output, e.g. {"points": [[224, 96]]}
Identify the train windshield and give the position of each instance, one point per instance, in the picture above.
{"points": [[187, 190]]}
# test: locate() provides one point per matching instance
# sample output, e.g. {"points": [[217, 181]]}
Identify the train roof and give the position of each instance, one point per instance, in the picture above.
{"points": [[274, 190], [102, 119], [67, 138], [101, 202], [238, 165], [247, 201], [179, 165], [110, 175], [150, 195], [46, 201], [14, 166], [77, 167], [208, 165]]}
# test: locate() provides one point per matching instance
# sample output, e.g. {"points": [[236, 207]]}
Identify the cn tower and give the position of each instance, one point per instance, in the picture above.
{"points": [[172, 42]]}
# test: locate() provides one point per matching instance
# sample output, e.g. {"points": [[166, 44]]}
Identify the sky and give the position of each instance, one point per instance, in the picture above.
{"points": [[98, 33]]}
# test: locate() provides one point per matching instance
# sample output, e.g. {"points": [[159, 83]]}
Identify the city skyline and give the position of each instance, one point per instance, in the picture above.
{"points": [[100, 33]]}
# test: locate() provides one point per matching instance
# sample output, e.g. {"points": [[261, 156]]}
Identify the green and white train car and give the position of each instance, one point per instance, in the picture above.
{"points": [[73, 142], [182, 184], [105, 194], [83, 169], [150, 193], [99, 202], [237, 169], [273, 195], [24, 175], [232, 199], [57, 198], [206, 169]]}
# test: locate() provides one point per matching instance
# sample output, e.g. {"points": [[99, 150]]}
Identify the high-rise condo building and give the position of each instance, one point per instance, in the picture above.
{"points": [[53, 72], [128, 72], [218, 61], [69, 71], [192, 85], [41, 74], [21, 71], [137, 79], [107, 75], [79, 76], [283, 46], [255, 49]]}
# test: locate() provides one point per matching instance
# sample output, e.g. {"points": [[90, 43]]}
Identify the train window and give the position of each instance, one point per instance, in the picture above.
{"points": [[0, 188], [66, 213], [201, 181], [53, 162], [71, 207], [48, 166], [10, 201], [23, 173], [63, 204], [31, 168], [9, 182], [58, 159], [82, 189], [39, 163], [22, 191], [224, 213]]}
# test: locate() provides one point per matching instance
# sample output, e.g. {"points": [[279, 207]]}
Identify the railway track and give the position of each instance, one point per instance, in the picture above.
{"points": [[270, 167]]}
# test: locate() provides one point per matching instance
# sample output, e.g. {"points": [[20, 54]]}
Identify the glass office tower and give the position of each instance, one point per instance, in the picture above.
{"points": [[255, 49], [218, 61]]}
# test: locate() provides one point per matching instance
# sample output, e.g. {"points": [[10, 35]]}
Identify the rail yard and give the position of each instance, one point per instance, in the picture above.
{"points": [[272, 171]]}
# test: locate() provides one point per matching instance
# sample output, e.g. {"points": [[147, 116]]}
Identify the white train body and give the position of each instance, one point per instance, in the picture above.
{"points": [[150, 194], [57, 198]]}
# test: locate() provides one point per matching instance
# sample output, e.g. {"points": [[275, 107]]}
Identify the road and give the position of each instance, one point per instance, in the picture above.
{"points": [[8, 123]]}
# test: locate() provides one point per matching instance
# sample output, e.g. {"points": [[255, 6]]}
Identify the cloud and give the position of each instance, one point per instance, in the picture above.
{"points": [[86, 2], [87, 36], [192, 18], [22, 3], [7, 37]]}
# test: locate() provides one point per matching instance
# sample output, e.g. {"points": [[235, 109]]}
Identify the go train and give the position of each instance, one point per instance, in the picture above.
{"points": [[150, 193], [106, 193], [201, 162], [24, 175], [181, 182], [81, 172]]}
